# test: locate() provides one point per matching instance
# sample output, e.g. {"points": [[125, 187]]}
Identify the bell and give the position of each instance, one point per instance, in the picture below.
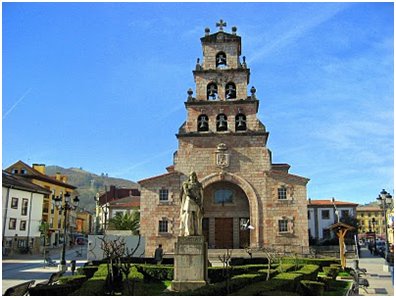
{"points": [[241, 124], [222, 124], [202, 124]]}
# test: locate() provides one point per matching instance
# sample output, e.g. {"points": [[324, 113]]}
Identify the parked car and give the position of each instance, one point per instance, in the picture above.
{"points": [[81, 241]]}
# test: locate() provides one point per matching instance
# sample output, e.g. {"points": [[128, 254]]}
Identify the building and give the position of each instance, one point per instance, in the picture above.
{"points": [[58, 187], [322, 214], [84, 222], [22, 203], [371, 222], [116, 200], [224, 142]]}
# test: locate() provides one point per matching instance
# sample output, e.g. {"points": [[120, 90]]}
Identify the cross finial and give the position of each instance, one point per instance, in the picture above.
{"points": [[221, 24]]}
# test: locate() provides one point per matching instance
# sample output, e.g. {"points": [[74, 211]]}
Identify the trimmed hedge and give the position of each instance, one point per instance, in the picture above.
{"points": [[312, 288], [218, 274], [320, 262], [155, 272], [53, 290], [73, 279], [310, 272], [220, 289], [331, 271], [247, 261]]}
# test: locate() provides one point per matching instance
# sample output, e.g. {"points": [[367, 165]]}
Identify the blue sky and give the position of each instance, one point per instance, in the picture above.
{"points": [[102, 86]]}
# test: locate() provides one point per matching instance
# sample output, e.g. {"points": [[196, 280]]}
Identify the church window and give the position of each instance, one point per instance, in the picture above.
{"points": [[230, 91], [282, 224], [163, 226], [211, 91], [221, 122], [224, 196], [240, 122], [163, 195], [221, 60], [203, 123], [282, 193]]}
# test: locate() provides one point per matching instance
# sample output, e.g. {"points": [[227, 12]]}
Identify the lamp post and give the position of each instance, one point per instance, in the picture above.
{"points": [[385, 199], [67, 206]]}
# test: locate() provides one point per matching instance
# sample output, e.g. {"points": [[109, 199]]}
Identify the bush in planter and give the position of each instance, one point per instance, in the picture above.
{"points": [[311, 288]]}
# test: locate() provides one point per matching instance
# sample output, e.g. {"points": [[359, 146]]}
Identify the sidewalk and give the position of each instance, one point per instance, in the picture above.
{"points": [[379, 280]]}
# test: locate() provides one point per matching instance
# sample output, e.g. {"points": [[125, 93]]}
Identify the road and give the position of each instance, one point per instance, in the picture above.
{"points": [[21, 268]]}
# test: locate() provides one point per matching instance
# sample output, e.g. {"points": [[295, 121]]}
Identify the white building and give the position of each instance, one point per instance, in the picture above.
{"points": [[322, 214], [22, 205]]}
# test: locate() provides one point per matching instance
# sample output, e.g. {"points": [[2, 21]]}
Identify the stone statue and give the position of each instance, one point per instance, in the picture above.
{"points": [[191, 210]]}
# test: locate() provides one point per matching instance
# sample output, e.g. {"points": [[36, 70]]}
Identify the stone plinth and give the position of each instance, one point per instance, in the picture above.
{"points": [[191, 270]]}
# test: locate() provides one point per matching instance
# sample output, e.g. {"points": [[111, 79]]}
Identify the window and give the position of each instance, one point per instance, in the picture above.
{"points": [[14, 171], [221, 60], [282, 193], [211, 91], [23, 171], [163, 195], [25, 203], [163, 226], [344, 213], [14, 203], [282, 224], [223, 196], [240, 122], [12, 224], [203, 123], [230, 91], [22, 225], [325, 214], [221, 122], [309, 215], [326, 233], [22, 243]]}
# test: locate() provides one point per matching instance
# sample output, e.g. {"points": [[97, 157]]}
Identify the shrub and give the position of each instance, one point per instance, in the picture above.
{"points": [[218, 274], [311, 288], [331, 271], [321, 262], [92, 287], [247, 261], [292, 280], [89, 270], [53, 290], [310, 272], [220, 289], [73, 279], [155, 272]]}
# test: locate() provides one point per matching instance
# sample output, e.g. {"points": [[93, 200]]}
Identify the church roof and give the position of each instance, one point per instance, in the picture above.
{"points": [[282, 175], [330, 203], [150, 179]]}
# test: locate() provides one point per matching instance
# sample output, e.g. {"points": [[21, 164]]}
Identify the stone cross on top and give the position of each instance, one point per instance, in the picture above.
{"points": [[221, 24]]}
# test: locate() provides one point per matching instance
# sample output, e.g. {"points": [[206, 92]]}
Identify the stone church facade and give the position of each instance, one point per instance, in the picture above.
{"points": [[248, 200]]}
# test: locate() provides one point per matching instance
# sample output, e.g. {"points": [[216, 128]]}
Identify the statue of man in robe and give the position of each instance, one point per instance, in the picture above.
{"points": [[191, 210]]}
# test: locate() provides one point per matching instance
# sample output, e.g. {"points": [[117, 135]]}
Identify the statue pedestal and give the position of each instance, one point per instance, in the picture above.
{"points": [[191, 263]]}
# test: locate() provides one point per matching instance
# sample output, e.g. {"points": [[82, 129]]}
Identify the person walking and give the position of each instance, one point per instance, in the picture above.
{"points": [[158, 254]]}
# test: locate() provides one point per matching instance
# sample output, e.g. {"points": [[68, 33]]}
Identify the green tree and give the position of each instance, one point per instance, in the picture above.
{"points": [[126, 221]]}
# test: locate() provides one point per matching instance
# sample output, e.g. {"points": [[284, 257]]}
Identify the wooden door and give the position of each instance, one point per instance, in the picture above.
{"points": [[223, 233]]}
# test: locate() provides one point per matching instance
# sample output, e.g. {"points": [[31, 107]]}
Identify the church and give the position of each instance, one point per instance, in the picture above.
{"points": [[248, 201]]}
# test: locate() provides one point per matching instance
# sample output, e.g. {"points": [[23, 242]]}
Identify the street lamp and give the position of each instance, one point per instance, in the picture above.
{"points": [[65, 207], [385, 199]]}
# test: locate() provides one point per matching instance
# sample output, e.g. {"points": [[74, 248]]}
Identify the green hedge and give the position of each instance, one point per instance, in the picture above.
{"points": [[218, 274], [310, 272], [291, 279], [73, 279], [220, 289], [89, 270], [320, 262], [53, 290], [155, 272], [311, 288], [331, 271], [92, 287]]}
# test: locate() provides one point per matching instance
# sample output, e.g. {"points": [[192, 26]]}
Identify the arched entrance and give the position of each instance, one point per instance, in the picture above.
{"points": [[227, 215]]}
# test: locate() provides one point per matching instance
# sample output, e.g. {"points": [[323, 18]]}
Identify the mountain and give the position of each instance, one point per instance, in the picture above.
{"points": [[89, 184]]}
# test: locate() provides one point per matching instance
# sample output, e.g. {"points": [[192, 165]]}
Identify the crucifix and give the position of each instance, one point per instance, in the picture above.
{"points": [[221, 24]]}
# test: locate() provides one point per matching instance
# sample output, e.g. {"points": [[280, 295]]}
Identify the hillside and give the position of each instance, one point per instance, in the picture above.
{"points": [[88, 184]]}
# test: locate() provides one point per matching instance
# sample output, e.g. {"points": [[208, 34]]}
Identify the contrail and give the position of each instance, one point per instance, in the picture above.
{"points": [[17, 102]]}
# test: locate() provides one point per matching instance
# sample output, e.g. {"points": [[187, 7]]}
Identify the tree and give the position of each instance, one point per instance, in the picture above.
{"points": [[126, 221]]}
